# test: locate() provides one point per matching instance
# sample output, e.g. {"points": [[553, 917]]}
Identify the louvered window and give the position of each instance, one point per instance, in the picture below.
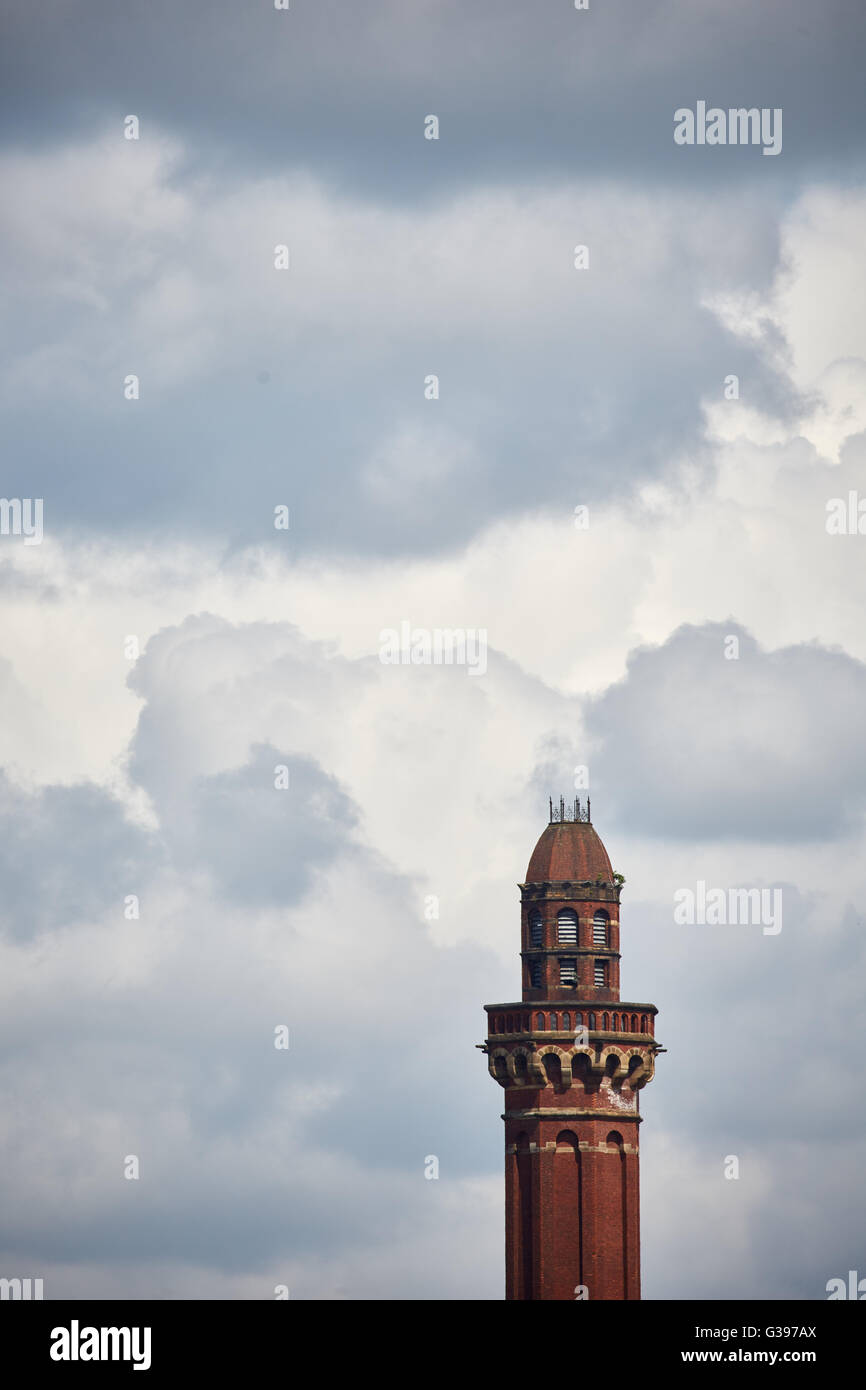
{"points": [[535, 974], [600, 973], [536, 929], [566, 926], [567, 971], [599, 929]]}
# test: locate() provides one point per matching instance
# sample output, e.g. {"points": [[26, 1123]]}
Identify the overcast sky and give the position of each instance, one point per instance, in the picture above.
{"points": [[699, 646]]}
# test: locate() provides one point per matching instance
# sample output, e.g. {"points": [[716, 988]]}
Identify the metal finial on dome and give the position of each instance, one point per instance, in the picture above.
{"points": [[562, 814]]}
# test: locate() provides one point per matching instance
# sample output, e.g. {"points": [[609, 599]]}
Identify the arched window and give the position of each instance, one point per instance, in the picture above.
{"points": [[592, 1020], [536, 928], [509, 1024], [553, 1021], [634, 1023], [566, 1143], [539, 1020], [605, 1022], [643, 1023], [552, 1068], [566, 1020], [614, 1022], [578, 1020], [535, 974], [567, 970], [599, 928], [566, 926]]}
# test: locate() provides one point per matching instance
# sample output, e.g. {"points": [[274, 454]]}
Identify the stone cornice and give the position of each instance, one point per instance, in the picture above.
{"points": [[568, 948], [581, 1113], [593, 1005], [573, 892]]}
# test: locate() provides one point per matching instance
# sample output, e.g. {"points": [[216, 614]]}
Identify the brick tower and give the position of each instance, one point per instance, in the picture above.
{"points": [[571, 1058]]}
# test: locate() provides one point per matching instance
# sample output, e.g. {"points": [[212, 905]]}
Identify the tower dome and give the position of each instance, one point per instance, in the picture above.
{"points": [[569, 851]]}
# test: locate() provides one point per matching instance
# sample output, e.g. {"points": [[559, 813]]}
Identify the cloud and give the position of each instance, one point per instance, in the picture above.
{"points": [[732, 1083], [258, 844], [762, 746], [66, 853], [171, 278], [517, 90], [250, 1157]]}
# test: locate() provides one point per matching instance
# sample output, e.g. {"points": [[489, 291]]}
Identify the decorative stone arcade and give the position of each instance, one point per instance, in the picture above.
{"points": [[572, 1059]]}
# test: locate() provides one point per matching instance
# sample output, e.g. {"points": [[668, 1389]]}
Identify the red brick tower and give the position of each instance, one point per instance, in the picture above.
{"points": [[571, 1058]]}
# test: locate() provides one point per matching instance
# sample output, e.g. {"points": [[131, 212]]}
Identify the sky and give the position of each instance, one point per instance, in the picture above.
{"points": [[224, 815]]}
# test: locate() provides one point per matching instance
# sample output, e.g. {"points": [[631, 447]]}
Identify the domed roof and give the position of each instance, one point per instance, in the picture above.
{"points": [[569, 852]]}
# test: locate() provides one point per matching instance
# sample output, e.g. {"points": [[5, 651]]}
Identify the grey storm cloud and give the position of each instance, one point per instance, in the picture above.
{"points": [[67, 854], [265, 829], [517, 87], [328, 415], [764, 994], [249, 1156], [733, 1081], [767, 746], [553, 389]]}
